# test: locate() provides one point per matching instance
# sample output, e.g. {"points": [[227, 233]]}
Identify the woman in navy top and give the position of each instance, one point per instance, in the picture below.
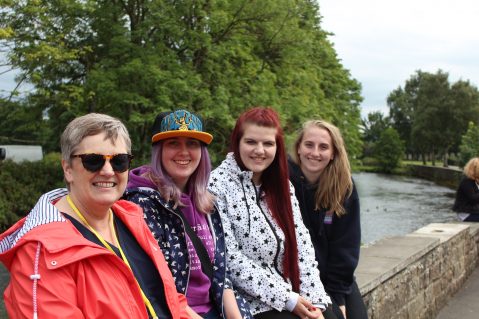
{"points": [[467, 196], [320, 173]]}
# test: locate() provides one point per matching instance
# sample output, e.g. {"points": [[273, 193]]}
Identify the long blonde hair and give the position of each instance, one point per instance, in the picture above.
{"points": [[335, 183], [471, 170]]}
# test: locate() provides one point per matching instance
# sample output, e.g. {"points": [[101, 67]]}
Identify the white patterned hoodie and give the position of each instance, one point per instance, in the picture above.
{"points": [[255, 243]]}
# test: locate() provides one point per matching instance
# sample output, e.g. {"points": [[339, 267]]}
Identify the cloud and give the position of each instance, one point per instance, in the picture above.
{"points": [[383, 43]]}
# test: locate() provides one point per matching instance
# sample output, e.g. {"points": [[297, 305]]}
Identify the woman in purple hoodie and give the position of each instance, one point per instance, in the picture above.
{"points": [[181, 214]]}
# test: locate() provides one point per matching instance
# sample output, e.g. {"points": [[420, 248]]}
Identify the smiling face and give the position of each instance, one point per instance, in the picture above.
{"points": [[257, 149], [315, 152], [95, 192], [180, 158]]}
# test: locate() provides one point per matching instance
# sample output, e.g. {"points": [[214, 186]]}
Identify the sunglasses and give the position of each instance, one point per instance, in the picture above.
{"points": [[94, 162]]}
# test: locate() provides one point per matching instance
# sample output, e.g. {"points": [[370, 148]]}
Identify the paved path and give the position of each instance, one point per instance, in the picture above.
{"points": [[465, 304]]}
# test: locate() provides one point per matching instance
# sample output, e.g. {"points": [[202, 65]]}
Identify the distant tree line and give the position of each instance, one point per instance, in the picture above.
{"points": [[133, 59], [432, 117]]}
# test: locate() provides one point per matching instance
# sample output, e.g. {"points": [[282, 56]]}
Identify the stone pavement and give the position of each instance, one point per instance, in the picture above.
{"points": [[465, 303]]}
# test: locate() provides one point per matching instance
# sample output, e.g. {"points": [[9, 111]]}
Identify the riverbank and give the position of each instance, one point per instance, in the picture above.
{"points": [[444, 176]]}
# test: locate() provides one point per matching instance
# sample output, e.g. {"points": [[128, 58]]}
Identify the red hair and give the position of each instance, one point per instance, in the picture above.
{"points": [[275, 183]]}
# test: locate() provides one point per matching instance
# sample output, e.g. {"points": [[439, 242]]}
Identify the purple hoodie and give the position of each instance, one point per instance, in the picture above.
{"points": [[197, 293], [135, 178]]}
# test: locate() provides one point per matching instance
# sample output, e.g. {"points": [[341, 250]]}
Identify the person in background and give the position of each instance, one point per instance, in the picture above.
{"points": [[172, 190], [466, 203], [81, 252], [321, 175], [270, 253]]}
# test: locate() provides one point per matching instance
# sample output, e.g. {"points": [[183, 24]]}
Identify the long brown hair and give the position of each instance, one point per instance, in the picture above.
{"points": [[335, 183], [275, 183]]}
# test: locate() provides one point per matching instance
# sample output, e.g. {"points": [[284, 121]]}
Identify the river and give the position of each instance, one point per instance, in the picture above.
{"points": [[396, 205]]}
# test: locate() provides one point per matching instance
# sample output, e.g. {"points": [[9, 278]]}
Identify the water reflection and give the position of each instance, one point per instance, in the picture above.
{"points": [[397, 205]]}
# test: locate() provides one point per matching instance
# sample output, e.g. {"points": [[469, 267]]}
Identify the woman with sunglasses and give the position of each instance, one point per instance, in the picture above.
{"points": [[269, 250], [180, 212], [329, 202], [81, 252]]}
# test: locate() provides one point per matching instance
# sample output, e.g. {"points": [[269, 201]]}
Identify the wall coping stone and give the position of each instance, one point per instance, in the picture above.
{"points": [[443, 231], [386, 257], [389, 268]]}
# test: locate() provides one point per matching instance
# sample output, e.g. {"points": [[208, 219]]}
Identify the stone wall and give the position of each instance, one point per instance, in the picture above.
{"points": [[413, 276], [446, 176]]}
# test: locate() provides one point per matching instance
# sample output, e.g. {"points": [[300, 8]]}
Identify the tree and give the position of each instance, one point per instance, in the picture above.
{"points": [[389, 150], [431, 108], [20, 123], [401, 113], [372, 127], [432, 114], [465, 97], [469, 147], [133, 59]]}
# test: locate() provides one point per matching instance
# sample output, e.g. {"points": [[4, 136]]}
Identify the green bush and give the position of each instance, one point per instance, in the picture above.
{"points": [[469, 147], [453, 160], [389, 150], [21, 184], [369, 161]]}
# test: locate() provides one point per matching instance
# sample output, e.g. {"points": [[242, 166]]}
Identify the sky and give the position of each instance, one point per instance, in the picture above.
{"points": [[7, 80], [383, 43]]}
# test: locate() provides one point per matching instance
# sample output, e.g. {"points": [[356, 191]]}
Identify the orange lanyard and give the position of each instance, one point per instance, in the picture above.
{"points": [[105, 243]]}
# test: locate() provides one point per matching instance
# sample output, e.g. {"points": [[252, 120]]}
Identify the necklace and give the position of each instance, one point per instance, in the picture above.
{"points": [[107, 245]]}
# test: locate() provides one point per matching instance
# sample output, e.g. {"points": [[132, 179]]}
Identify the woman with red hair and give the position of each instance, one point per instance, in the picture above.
{"points": [[269, 250]]}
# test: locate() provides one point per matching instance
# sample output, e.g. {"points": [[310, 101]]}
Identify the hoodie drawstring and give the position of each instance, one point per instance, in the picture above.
{"points": [[35, 277]]}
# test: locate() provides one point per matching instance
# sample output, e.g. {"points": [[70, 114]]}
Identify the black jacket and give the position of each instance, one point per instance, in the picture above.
{"points": [[467, 197], [336, 244]]}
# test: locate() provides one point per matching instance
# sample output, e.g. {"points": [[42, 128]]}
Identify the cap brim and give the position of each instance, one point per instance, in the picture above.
{"points": [[201, 136]]}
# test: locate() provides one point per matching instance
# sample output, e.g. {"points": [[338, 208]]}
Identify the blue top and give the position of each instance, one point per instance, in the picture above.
{"points": [[467, 197]]}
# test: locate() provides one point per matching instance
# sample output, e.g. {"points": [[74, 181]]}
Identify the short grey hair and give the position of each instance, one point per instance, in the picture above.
{"points": [[89, 125]]}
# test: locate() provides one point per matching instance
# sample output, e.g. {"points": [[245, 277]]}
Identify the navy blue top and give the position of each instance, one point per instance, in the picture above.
{"points": [[467, 197], [142, 266], [336, 240]]}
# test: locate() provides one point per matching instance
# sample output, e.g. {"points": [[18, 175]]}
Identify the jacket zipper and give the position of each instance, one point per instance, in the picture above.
{"points": [[278, 240]]}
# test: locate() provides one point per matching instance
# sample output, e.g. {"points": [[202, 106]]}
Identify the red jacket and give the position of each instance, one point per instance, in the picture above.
{"points": [[77, 278]]}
